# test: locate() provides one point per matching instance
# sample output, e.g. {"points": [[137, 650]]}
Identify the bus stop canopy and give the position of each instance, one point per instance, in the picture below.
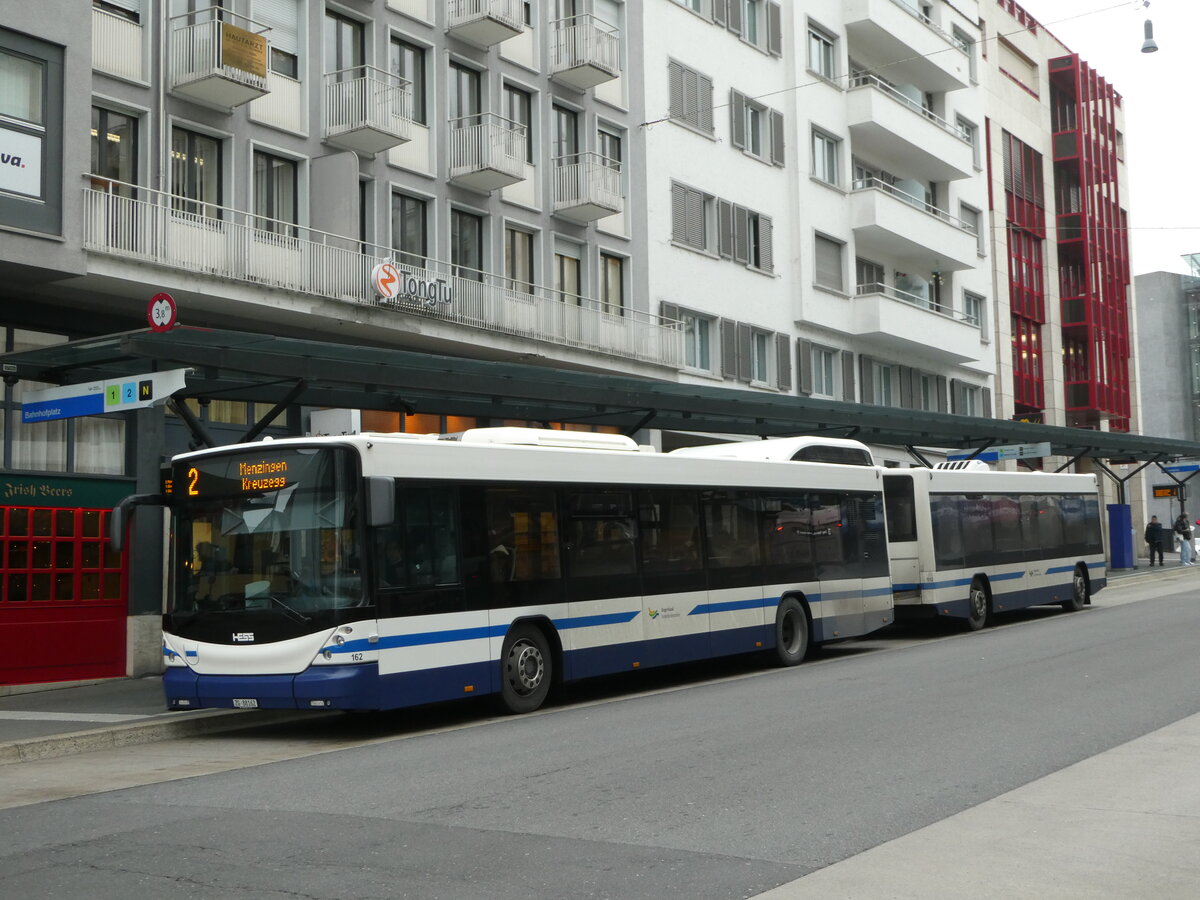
{"points": [[234, 365]]}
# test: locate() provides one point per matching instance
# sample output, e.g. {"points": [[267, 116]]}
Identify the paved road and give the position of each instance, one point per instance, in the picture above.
{"points": [[721, 789]]}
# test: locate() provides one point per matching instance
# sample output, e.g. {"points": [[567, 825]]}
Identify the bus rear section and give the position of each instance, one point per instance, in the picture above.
{"points": [[968, 544]]}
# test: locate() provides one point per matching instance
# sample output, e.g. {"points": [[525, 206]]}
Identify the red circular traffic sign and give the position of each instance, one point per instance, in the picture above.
{"points": [[161, 312]]}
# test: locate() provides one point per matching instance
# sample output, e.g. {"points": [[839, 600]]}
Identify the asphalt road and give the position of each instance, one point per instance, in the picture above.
{"points": [[664, 786]]}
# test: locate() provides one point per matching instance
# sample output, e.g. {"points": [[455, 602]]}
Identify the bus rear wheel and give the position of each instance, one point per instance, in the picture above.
{"points": [[1079, 591], [977, 606], [526, 669], [791, 632]]}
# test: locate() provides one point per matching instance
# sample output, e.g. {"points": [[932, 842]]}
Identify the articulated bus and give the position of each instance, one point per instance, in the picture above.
{"points": [[380, 571], [964, 541]]}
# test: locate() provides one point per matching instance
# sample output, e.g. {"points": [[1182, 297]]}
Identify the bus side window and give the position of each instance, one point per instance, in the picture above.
{"points": [[670, 532], [947, 530]]}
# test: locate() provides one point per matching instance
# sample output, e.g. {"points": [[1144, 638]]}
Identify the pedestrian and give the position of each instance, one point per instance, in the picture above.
{"points": [[1154, 537], [1183, 528]]}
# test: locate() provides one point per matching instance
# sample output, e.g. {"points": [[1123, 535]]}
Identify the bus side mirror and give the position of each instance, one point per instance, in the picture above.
{"points": [[381, 500], [118, 519]]}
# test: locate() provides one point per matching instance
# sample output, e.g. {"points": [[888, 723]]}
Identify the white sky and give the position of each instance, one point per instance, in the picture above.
{"points": [[1161, 126]]}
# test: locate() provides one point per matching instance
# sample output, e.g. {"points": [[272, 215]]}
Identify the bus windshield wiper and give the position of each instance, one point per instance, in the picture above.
{"points": [[296, 614]]}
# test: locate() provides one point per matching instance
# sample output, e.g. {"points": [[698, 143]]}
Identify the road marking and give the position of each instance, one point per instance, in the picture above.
{"points": [[67, 717]]}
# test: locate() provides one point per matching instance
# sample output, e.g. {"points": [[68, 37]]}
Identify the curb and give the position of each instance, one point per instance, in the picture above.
{"points": [[131, 734]]}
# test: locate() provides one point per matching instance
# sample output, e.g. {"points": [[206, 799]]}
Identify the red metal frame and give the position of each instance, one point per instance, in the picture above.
{"points": [[1025, 211]]}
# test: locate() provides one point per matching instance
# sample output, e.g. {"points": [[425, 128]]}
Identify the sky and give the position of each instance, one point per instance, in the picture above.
{"points": [[1162, 127]]}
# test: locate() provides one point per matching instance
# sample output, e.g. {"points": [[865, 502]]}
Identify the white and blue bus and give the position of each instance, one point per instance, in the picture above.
{"points": [[380, 571]]}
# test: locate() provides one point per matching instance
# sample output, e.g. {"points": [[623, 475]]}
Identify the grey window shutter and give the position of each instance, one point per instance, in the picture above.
{"points": [[704, 99], [955, 396], [695, 219], [679, 213], [691, 97], [804, 366], [783, 359], [777, 153], [718, 11], [744, 339], [868, 379], [906, 388], [737, 119], [741, 234], [774, 29], [766, 244], [986, 407], [734, 22], [848, 376], [725, 228], [668, 311], [941, 393], [729, 354], [675, 89]]}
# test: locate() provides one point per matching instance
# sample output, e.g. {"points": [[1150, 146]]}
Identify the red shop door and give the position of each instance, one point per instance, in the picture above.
{"points": [[62, 596]]}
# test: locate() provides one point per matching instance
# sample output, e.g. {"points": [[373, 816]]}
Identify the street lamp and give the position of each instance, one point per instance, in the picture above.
{"points": [[1148, 45]]}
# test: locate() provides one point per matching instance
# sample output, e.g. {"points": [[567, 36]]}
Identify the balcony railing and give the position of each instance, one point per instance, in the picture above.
{"points": [[216, 62], [875, 184], [865, 79], [155, 228], [932, 26], [117, 45], [584, 51], [367, 110], [925, 303], [587, 186], [485, 22], [487, 151]]}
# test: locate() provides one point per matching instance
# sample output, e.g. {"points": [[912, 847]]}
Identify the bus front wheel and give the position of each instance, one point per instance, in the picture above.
{"points": [[791, 632], [977, 606], [1079, 591], [526, 668]]}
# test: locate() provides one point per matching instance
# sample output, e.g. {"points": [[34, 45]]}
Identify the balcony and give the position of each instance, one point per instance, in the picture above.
{"points": [[367, 110], [486, 152], [216, 63], [117, 46], [587, 186], [484, 22], [584, 52], [886, 125], [895, 224], [205, 241], [892, 320], [895, 34]]}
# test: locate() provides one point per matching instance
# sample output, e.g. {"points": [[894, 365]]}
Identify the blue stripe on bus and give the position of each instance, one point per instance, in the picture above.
{"points": [[731, 605], [620, 618]]}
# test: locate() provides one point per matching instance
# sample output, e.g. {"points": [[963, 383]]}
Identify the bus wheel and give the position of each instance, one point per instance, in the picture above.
{"points": [[526, 668], [791, 632], [1079, 591], [977, 605]]}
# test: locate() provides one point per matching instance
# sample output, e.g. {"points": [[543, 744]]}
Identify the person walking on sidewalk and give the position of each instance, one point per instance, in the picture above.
{"points": [[1183, 528], [1154, 537]]}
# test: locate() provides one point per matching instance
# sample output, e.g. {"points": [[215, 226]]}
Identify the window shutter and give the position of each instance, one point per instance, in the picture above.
{"points": [[777, 154], [986, 407], [955, 396], [868, 379], [133, 6], [741, 234], [729, 354], [734, 23], [668, 311], [774, 29], [737, 119], [725, 228], [718, 11], [695, 219], [281, 16], [766, 244], [679, 213], [675, 89], [906, 388], [804, 366], [848, 376], [828, 258], [691, 109], [704, 101], [783, 359], [745, 337], [941, 393]]}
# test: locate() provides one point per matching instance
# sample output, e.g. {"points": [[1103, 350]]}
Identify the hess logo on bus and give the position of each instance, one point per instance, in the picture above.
{"points": [[243, 637]]}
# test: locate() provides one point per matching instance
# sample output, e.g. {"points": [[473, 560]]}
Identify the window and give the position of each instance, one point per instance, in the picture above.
{"points": [[758, 240], [609, 147], [690, 97], [971, 220], [868, 277], [756, 129], [973, 306], [22, 96], [825, 157], [970, 131], [612, 284], [824, 372], [697, 341], [565, 149], [970, 401], [409, 230], [275, 194], [195, 173], [282, 18], [343, 46], [883, 383], [518, 260], [752, 25], [760, 356], [464, 96], [408, 61], [114, 151], [827, 255], [599, 532], [821, 57], [691, 215], [568, 277], [129, 10], [518, 108], [466, 244]]}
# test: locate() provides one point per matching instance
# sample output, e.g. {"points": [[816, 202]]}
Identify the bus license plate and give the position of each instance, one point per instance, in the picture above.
{"points": [[245, 704]]}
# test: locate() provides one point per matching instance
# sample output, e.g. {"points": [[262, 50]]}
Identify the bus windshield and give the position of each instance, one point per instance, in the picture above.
{"points": [[273, 535]]}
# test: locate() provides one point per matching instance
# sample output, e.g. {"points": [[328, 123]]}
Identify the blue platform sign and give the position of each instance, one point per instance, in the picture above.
{"points": [[1005, 451], [1184, 465], [97, 397]]}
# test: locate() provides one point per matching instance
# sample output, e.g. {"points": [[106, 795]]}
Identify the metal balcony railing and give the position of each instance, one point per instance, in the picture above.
{"points": [[460, 13], [160, 229], [875, 184], [584, 41], [932, 26], [365, 98], [866, 79], [117, 45], [198, 55], [925, 303], [588, 183], [486, 141]]}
